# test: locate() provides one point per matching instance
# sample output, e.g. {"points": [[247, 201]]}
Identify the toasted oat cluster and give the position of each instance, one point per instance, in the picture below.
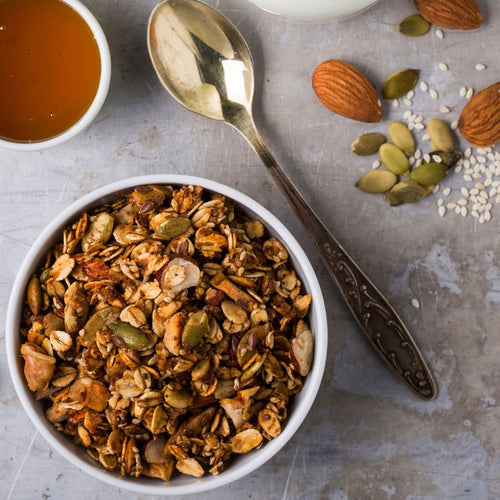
{"points": [[166, 331]]}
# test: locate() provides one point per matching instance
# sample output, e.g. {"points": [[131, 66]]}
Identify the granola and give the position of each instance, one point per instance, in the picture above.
{"points": [[166, 331]]}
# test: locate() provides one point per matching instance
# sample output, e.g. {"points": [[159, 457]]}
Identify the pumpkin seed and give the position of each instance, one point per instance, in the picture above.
{"points": [[392, 199], [440, 134], [171, 228], [177, 399], [133, 337], [377, 181], [34, 295], [99, 231], [45, 276], [101, 318], [367, 144], [394, 159], [402, 138], [194, 330], [414, 25], [253, 369], [429, 173], [400, 83], [76, 310], [408, 191], [200, 369]]}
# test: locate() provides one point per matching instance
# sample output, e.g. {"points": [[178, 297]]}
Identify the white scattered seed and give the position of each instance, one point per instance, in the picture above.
{"points": [[481, 159], [470, 93], [426, 137], [407, 102], [441, 211], [440, 202], [476, 175], [407, 114], [444, 109], [435, 189], [443, 66], [458, 209], [481, 219], [473, 191], [467, 178], [497, 199], [462, 202], [419, 119], [491, 156], [418, 154], [451, 206], [458, 168], [446, 191], [487, 216], [439, 34], [424, 87], [437, 159], [454, 125], [468, 152], [469, 171], [463, 91], [493, 192], [419, 126], [480, 67], [473, 160], [463, 212], [480, 185], [427, 158], [434, 93], [412, 118], [481, 151], [415, 303], [410, 94], [411, 126], [375, 164], [464, 191], [395, 103]]}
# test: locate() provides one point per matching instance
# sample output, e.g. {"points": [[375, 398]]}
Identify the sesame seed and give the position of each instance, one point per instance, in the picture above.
{"points": [[411, 126], [458, 169], [412, 117], [458, 209], [451, 205], [434, 93], [480, 67], [444, 109], [407, 114], [425, 137], [446, 191], [441, 211], [375, 164], [487, 216], [463, 91], [473, 191], [468, 152], [407, 102], [419, 126], [435, 189], [395, 103], [442, 66], [464, 191], [481, 159], [410, 94], [467, 178], [463, 212], [474, 213], [419, 119], [437, 159], [481, 219], [470, 93], [476, 175], [415, 303], [480, 185], [427, 158], [440, 202], [481, 151], [418, 154], [454, 125], [424, 87], [439, 34]]}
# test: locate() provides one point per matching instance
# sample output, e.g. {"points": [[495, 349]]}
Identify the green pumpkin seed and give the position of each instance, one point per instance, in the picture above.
{"points": [[200, 369], [402, 138], [253, 369], [45, 276], [400, 83], [394, 159], [408, 191], [194, 330], [449, 158], [441, 135], [392, 199], [429, 173], [177, 399], [34, 295], [367, 144], [377, 181], [414, 25], [101, 318], [99, 232], [171, 228], [76, 309], [133, 337]]}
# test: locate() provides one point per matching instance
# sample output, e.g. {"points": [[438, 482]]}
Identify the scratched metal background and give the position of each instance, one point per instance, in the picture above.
{"points": [[366, 436]]}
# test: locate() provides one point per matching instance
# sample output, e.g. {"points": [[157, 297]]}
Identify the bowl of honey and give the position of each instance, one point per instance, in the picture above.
{"points": [[55, 69]]}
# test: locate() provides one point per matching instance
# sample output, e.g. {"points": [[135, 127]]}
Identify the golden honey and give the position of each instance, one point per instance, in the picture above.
{"points": [[49, 69]]}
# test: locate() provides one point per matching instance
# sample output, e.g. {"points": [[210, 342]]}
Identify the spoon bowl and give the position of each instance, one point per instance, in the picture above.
{"points": [[205, 64]]}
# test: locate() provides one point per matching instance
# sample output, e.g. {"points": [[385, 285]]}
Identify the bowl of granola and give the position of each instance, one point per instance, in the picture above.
{"points": [[166, 334]]}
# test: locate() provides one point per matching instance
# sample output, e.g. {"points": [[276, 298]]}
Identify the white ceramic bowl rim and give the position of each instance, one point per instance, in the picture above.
{"points": [[100, 97], [57, 441]]}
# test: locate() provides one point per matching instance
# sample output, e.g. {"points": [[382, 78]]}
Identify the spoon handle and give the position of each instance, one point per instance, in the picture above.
{"points": [[377, 318]]}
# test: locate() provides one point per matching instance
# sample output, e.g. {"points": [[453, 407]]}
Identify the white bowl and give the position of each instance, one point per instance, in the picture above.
{"points": [[100, 97], [314, 10], [238, 466]]}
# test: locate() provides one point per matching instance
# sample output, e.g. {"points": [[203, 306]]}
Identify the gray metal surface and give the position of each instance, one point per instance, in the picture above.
{"points": [[367, 436]]}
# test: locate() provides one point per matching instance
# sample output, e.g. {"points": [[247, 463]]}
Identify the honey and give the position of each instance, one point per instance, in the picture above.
{"points": [[49, 69]]}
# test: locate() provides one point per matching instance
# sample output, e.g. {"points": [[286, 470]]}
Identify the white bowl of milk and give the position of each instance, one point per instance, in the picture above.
{"points": [[315, 9]]}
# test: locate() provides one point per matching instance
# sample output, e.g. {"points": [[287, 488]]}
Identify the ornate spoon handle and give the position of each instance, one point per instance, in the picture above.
{"points": [[377, 318]]}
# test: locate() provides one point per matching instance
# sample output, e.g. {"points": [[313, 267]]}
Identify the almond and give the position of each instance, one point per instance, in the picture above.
{"points": [[479, 122], [451, 14], [344, 90]]}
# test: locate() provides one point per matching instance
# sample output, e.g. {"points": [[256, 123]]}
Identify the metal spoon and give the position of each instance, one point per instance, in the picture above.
{"points": [[205, 64]]}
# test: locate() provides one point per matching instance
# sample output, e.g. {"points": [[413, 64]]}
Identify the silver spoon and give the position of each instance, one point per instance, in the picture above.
{"points": [[205, 64]]}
